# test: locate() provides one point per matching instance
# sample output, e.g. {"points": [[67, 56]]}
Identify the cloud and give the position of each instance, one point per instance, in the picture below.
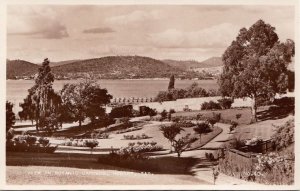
{"points": [[98, 30], [212, 37], [135, 17], [35, 21]]}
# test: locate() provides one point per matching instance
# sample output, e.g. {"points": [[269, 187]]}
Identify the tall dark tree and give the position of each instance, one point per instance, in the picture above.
{"points": [[28, 109], [42, 102], [85, 99], [255, 64], [171, 83], [10, 115]]}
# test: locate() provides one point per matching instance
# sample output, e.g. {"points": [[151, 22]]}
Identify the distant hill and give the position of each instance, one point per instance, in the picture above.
{"points": [[110, 67], [53, 64], [192, 64], [211, 62], [20, 68], [183, 64], [120, 67]]}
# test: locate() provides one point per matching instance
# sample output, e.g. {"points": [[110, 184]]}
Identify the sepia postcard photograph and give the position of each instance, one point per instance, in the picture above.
{"points": [[196, 94]]}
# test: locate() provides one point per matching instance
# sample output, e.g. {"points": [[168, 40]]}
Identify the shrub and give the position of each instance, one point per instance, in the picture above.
{"points": [[43, 141], [26, 143], [225, 103], [172, 111], [237, 143], [163, 114], [217, 116], [91, 143], [30, 139], [210, 156], [185, 124], [210, 105], [233, 126], [285, 135], [285, 101], [121, 111], [238, 115], [145, 110]]}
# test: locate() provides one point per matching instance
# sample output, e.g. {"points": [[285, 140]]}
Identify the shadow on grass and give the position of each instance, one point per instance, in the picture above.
{"points": [[23, 126], [275, 112], [162, 165]]}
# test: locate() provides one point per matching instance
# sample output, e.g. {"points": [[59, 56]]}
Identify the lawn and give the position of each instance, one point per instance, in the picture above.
{"points": [[226, 114], [42, 175], [263, 129], [152, 130]]}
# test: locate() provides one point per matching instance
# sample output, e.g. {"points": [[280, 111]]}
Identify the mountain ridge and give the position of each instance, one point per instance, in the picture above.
{"points": [[112, 67]]}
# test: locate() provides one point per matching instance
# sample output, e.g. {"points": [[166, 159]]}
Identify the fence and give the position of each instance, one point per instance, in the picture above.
{"points": [[261, 147], [133, 100]]}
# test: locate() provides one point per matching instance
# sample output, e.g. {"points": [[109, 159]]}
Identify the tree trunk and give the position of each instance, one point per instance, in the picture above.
{"points": [[79, 123], [178, 154], [37, 125], [253, 110]]}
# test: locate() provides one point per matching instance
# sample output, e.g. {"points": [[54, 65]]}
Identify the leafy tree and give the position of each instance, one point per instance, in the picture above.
{"points": [[255, 64], [170, 132], [171, 83], [84, 99], [202, 128], [10, 116], [181, 144]]}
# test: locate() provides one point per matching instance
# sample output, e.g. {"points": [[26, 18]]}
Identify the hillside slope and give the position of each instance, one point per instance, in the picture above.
{"points": [[15, 68], [118, 67], [192, 64], [211, 63]]}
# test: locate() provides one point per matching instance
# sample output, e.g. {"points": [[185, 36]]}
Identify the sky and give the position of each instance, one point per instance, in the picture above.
{"points": [[181, 32]]}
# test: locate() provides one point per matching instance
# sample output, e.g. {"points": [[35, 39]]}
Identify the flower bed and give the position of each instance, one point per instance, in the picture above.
{"points": [[136, 137], [28, 143], [143, 147], [77, 142], [100, 135]]}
